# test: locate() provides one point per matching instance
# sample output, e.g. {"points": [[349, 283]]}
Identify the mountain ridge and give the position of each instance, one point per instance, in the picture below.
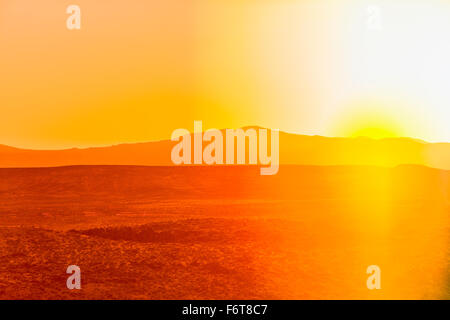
{"points": [[294, 149]]}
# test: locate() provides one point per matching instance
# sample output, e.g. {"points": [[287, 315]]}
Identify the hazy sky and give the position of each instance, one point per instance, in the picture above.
{"points": [[137, 70]]}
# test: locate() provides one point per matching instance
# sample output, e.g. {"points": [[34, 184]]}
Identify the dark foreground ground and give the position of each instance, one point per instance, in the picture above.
{"points": [[224, 232]]}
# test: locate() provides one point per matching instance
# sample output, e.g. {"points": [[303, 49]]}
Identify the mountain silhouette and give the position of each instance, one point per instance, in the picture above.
{"points": [[294, 149]]}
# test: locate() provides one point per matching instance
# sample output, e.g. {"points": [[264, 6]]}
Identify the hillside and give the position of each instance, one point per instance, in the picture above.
{"points": [[294, 149]]}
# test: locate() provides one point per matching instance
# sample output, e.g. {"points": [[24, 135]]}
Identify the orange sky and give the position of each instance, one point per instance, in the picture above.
{"points": [[137, 70]]}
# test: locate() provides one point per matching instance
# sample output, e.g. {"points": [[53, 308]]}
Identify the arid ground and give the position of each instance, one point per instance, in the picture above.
{"points": [[309, 232]]}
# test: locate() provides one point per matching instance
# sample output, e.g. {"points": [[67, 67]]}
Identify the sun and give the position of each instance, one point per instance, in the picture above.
{"points": [[373, 125], [375, 132], [372, 120]]}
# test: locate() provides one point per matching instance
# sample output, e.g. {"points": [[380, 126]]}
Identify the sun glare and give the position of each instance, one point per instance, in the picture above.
{"points": [[374, 132], [371, 119]]}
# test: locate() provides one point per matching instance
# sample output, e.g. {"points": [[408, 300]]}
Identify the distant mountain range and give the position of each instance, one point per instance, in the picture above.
{"points": [[294, 149]]}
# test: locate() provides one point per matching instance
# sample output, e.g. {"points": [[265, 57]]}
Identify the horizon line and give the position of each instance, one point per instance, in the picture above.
{"points": [[419, 140]]}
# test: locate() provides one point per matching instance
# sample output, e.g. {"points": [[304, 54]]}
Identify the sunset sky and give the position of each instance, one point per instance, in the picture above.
{"points": [[137, 70]]}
